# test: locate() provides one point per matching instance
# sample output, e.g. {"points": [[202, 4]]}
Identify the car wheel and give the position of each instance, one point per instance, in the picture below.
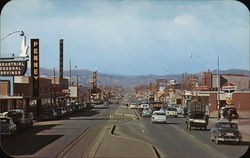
{"points": [[205, 128], [189, 126]]}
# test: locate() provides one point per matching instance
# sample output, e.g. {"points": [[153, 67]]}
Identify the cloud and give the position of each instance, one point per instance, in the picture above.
{"points": [[185, 19]]}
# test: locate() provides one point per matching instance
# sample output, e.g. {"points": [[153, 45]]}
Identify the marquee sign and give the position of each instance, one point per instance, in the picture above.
{"points": [[13, 68], [35, 65]]}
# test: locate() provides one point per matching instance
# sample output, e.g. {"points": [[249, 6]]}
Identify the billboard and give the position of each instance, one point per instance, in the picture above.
{"points": [[34, 43]]}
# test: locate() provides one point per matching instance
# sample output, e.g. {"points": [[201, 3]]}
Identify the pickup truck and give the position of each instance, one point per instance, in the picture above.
{"points": [[20, 117]]}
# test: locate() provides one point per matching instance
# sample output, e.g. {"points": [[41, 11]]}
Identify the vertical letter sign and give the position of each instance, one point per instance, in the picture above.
{"points": [[61, 58], [35, 65]]}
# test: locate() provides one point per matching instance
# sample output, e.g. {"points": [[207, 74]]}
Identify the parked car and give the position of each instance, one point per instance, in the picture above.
{"points": [[171, 112], [146, 112], [61, 111], [20, 117], [225, 131], [159, 116], [7, 126], [47, 114]]}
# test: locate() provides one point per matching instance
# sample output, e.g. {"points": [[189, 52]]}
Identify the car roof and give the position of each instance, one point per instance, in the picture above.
{"points": [[159, 112], [16, 110]]}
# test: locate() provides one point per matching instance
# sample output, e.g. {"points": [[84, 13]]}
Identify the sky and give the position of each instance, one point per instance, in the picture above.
{"points": [[132, 37]]}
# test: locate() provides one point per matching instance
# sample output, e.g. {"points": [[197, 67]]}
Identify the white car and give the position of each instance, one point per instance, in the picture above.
{"points": [[159, 116], [144, 106], [171, 112], [180, 110], [133, 106]]}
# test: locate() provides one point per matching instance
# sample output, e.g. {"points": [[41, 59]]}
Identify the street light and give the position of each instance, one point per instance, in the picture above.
{"points": [[24, 47], [21, 33]]}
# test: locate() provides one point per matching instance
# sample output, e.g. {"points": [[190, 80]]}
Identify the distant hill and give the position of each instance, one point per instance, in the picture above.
{"points": [[125, 80]]}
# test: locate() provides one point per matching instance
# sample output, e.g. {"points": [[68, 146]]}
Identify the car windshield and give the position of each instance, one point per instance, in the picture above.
{"points": [[5, 120], [228, 125], [14, 114], [159, 113], [172, 109]]}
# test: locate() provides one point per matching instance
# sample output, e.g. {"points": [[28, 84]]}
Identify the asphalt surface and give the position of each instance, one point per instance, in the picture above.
{"points": [[59, 138], [173, 140], [79, 134]]}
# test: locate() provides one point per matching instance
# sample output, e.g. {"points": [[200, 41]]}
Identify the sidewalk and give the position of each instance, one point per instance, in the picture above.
{"points": [[243, 123]]}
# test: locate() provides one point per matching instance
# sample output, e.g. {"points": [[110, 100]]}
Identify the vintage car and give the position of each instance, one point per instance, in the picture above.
{"points": [[227, 111], [225, 131], [7, 126], [171, 111], [20, 117], [159, 116], [47, 114], [146, 112]]}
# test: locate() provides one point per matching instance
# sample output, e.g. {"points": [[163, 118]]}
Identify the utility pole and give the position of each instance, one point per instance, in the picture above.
{"points": [[218, 86], [77, 88], [69, 72], [54, 87]]}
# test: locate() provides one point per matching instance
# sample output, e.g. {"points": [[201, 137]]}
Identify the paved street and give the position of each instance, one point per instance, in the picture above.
{"points": [[51, 138], [116, 131], [173, 140]]}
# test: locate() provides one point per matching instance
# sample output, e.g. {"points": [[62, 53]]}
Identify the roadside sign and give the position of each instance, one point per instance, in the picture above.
{"points": [[228, 88], [13, 68]]}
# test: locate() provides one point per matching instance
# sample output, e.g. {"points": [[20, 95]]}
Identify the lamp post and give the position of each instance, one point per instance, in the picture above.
{"points": [[21, 33]]}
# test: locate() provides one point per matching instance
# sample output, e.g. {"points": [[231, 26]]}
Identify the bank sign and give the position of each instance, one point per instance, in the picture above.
{"points": [[13, 68]]}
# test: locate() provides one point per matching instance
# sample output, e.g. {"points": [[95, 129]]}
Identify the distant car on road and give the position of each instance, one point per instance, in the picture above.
{"points": [[225, 131], [133, 106], [146, 112], [144, 106], [159, 116], [7, 126], [171, 112], [180, 110]]}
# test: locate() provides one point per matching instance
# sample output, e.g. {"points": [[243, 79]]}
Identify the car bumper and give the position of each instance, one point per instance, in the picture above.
{"points": [[229, 139], [159, 120]]}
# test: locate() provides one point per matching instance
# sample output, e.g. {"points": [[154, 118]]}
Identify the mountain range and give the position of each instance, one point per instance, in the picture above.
{"points": [[125, 80]]}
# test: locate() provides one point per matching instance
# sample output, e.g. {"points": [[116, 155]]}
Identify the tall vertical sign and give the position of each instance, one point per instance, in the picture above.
{"points": [[61, 58], [35, 65], [94, 75]]}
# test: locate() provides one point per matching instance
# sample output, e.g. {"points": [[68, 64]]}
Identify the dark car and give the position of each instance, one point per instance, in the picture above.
{"points": [[225, 131], [7, 126], [20, 117], [229, 113], [47, 114]]}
